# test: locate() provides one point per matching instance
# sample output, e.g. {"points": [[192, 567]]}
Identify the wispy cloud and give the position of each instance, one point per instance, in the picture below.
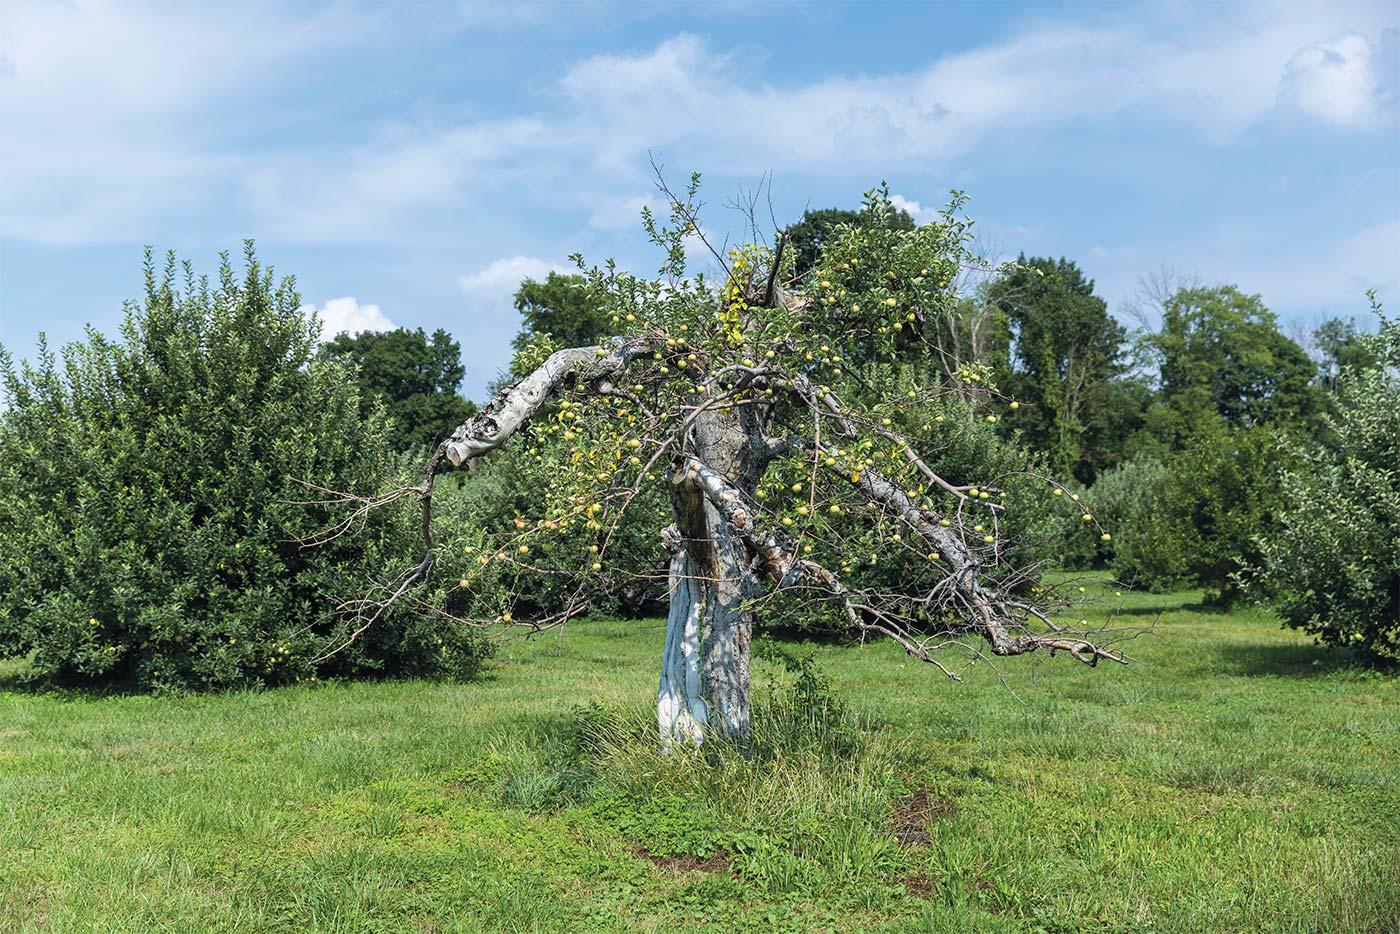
{"points": [[121, 109], [1329, 276], [626, 213], [111, 110], [503, 276], [1346, 81], [699, 103]]}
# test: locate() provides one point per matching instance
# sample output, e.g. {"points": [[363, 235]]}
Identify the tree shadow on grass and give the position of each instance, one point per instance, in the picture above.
{"points": [[1163, 609], [1292, 660], [15, 679]]}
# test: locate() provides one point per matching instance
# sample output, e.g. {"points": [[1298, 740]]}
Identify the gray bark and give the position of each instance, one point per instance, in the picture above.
{"points": [[502, 417], [712, 583], [704, 689], [681, 710]]}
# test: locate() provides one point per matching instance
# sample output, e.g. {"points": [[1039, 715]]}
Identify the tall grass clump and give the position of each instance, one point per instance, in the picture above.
{"points": [[764, 810]]}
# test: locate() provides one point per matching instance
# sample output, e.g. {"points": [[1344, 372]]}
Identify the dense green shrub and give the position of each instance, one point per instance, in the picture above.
{"points": [[148, 490], [1123, 497], [1332, 566], [1200, 524]]}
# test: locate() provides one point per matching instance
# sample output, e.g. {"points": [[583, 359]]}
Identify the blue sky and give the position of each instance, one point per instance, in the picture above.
{"points": [[409, 164]]}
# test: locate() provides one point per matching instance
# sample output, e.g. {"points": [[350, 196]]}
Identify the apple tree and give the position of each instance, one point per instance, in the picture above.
{"points": [[793, 448], [1333, 567]]}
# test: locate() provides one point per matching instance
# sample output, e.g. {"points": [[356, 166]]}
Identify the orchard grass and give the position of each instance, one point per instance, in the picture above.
{"points": [[1235, 778]]}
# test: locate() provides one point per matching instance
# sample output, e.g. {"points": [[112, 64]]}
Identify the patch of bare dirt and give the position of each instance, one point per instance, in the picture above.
{"points": [[716, 862], [917, 813]]}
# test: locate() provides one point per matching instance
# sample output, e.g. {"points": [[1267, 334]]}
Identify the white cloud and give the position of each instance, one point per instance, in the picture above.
{"points": [[386, 187], [159, 88], [1341, 81], [347, 315], [921, 214], [1219, 82], [505, 275]]}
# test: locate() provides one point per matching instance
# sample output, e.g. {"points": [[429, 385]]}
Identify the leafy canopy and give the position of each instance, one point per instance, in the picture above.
{"points": [[1064, 347], [692, 342], [566, 308], [1220, 349], [1333, 568], [810, 235], [417, 378]]}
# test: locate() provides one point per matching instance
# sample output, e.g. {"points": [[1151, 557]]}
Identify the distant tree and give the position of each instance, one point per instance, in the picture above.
{"points": [[1341, 345], [809, 236], [1221, 350], [1231, 389], [1065, 347], [417, 378], [565, 307], [1115, 425]]}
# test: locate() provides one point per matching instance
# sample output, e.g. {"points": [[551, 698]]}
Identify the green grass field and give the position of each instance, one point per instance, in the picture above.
{"points": [[1235, 779]]}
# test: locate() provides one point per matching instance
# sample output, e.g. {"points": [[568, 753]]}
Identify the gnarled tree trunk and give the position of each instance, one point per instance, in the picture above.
{"points": [[681, 709], [704, 687]]}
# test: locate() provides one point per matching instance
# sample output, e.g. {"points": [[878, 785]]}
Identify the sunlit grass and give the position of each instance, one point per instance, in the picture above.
{"points": [[1234, 778]]}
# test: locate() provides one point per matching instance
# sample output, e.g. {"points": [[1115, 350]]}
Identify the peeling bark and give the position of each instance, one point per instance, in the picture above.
{"points": [[504, 415], [711, 575], [681, 710]]}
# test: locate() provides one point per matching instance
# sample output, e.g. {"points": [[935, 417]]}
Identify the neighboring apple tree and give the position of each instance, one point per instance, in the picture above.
{"points": [[153, 486], [1333, 568], [786, 463]]}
